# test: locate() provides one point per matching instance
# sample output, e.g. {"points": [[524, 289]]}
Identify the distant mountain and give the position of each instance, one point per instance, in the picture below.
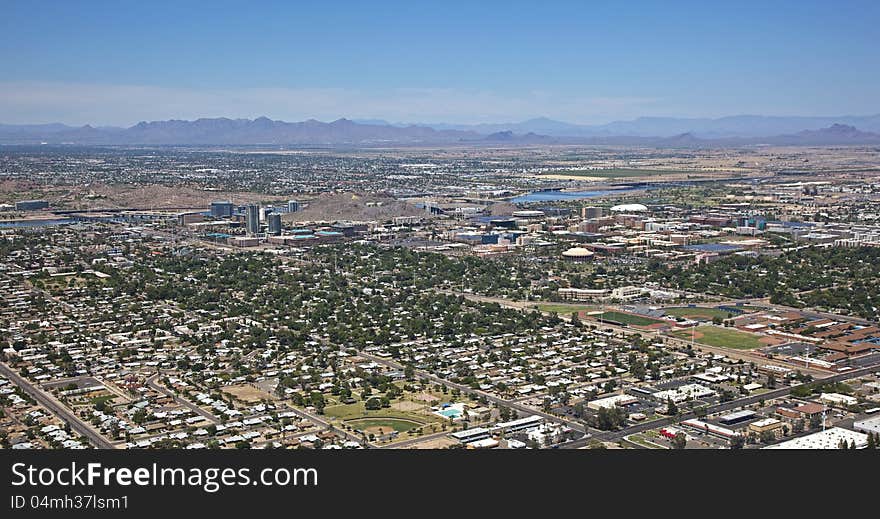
{"points": [[344, 132], [834, 134], [223, 131], [509, 136], [724, 127]]}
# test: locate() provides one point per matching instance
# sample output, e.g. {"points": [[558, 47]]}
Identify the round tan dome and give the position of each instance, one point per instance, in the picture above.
{"points": [[577, 252]]}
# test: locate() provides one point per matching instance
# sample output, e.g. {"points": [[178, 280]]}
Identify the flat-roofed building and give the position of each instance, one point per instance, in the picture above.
{"points": [[737, 417], [868, 425], [827, 439], [767, 424], [612, 401]]}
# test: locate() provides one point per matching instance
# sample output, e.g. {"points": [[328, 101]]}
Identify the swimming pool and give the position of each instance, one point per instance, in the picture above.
{"points": [[450, 412]]}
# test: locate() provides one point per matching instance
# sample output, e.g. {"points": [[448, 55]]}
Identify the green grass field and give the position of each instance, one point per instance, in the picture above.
{"points": [[697, 313], [564, 309], [722, 337], [620, 317]]}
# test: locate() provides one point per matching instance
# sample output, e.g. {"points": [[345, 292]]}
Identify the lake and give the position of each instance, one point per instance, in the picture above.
{"points": [[14, 224]]}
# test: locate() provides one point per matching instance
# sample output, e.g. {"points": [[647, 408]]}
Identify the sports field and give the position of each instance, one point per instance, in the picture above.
{"points": [[564, 309], [631, 319], [697, 313], [722, 337]]}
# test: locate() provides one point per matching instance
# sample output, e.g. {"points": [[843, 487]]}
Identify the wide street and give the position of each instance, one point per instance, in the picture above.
{"points": [[56, 407]]}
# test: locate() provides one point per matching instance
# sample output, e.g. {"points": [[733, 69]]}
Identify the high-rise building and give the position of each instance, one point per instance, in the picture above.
{"points": [[253, 219], [274, 220], [591, 212], [292, 206], [221, 209]]}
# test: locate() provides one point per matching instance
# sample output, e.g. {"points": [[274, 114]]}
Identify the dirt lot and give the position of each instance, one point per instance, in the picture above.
{"points": [[436, 443], [406, 405], [248, 393]]}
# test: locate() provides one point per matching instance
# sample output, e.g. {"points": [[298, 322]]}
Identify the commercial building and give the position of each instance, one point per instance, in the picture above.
{"points": [[827, 439], [868, 425], [253, 219], [293, 206], [581, 294], [471, 435], [588, 212], [707, 427], [31, 205], [628, 292], [243, 241], [685, 392], [274, 222], [838, 400], [737, 417], [519, 424], [611, 402], [222, 209], [765, 425]]}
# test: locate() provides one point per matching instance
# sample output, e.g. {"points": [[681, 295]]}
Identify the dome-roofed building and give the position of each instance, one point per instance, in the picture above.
{"points": [[629, 208], [577, 254]]}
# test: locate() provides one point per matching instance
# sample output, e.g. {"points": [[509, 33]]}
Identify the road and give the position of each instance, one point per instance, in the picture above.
{"points": [[56, 407]]}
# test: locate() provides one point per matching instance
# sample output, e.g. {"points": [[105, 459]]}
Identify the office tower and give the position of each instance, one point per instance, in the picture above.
{"points": [[274, 220], [292, 206], [221, 209], [591, 212], [253, 219]]}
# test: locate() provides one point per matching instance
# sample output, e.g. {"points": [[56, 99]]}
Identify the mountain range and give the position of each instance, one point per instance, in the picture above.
{"points": [[661, 132]]}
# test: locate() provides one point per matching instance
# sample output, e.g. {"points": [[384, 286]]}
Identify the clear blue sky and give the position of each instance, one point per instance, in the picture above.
{"points": [[430, 61]]}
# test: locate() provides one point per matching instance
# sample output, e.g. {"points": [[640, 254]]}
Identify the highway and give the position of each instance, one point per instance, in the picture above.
{"points": [[56, 407]]}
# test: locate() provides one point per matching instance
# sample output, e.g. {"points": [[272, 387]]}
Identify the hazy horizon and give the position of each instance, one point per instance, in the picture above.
{"points": [[459, 63], [383, 120]]}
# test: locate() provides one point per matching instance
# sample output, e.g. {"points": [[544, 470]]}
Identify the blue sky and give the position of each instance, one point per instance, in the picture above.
{"points": [[435, 61]]}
